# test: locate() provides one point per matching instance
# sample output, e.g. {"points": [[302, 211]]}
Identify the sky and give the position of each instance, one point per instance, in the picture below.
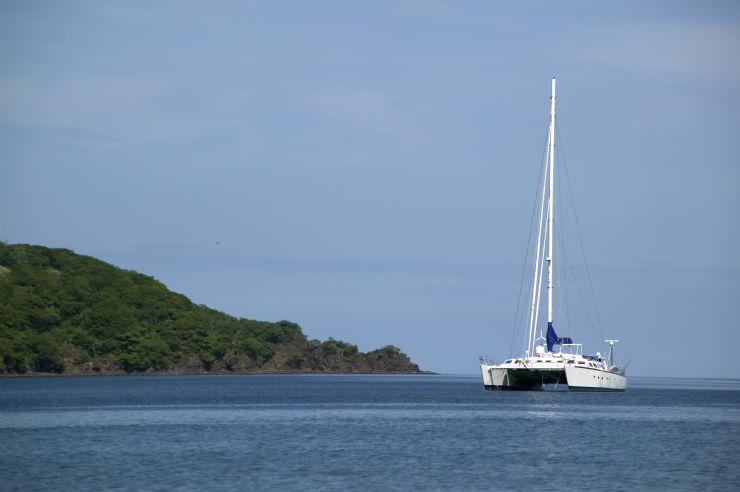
{"points": [[368, 169]]}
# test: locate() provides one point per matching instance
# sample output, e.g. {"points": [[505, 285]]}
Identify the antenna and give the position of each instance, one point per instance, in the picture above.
{"points": [[611, 350]]}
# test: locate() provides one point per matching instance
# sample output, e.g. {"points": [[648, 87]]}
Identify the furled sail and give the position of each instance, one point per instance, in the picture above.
{"points": [[553, 339]]}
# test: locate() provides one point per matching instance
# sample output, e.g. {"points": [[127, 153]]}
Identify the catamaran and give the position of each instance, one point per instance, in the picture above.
{"points": [[541, 364]]}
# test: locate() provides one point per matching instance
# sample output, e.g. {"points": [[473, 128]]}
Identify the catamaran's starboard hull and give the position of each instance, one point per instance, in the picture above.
{"points": [[588, 379], [533, 379]]}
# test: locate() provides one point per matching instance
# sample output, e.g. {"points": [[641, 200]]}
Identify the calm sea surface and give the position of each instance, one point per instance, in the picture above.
{"points": [[287, 432]]}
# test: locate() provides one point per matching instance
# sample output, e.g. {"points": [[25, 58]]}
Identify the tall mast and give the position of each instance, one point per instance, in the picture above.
{"points": [[545, 253], [551, 204]]}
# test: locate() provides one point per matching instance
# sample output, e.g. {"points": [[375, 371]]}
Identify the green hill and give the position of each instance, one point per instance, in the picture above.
{"points": [[61, 312]]}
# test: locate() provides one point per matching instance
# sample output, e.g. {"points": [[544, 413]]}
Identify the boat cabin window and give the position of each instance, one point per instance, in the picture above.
{"points": [[508, 362], [581, 362]]}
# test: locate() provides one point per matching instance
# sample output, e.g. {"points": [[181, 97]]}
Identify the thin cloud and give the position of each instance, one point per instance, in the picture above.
{"points": [[124, 109], [354, 112], [695, 50], [354, 105]]}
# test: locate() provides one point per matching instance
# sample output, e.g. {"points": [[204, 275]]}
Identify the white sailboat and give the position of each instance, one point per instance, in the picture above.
{"points": [[541, 363]]}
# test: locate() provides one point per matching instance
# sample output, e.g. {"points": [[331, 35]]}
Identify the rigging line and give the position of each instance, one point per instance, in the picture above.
{"points": [[566, 292], [563, 272], [583, 299], [515, 332], [561, 278], [565, 264], [539, 289], [560, 271], [580, 236], [534, 298], [539, 255]]}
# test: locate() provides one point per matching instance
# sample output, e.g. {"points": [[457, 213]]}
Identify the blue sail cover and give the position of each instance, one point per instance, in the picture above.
{"points": [[552, 338]]}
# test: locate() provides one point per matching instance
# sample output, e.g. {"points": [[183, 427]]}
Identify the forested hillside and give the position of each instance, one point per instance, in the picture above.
{"points": [[61, 312]]}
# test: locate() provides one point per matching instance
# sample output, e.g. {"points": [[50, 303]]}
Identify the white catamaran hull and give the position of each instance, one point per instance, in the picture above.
{"points": [[574, 377], [588, 379], [520, 378]]}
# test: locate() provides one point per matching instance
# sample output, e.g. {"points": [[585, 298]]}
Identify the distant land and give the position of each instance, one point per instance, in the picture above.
{"points": [[64, 313]]}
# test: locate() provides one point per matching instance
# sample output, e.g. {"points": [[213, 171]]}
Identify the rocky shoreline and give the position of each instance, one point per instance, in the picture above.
{"points": [[69, 314]]}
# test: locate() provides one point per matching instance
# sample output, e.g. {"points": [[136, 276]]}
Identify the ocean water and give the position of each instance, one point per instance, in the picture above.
{"points": [[349, 432]]}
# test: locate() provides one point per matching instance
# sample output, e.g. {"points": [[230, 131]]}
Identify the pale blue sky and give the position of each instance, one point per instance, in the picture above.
{"points": [[367, 169]]}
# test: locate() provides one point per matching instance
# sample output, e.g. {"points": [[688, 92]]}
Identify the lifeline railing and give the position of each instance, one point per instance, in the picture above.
{"points": [[571, 348]]}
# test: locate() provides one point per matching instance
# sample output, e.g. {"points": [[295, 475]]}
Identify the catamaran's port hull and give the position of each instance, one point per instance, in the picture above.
{"points": [[534, 379], [521, 379]]}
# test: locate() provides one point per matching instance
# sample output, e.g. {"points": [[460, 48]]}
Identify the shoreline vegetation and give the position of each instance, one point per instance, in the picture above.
{"points": [[206, 373], [67, 314]]}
